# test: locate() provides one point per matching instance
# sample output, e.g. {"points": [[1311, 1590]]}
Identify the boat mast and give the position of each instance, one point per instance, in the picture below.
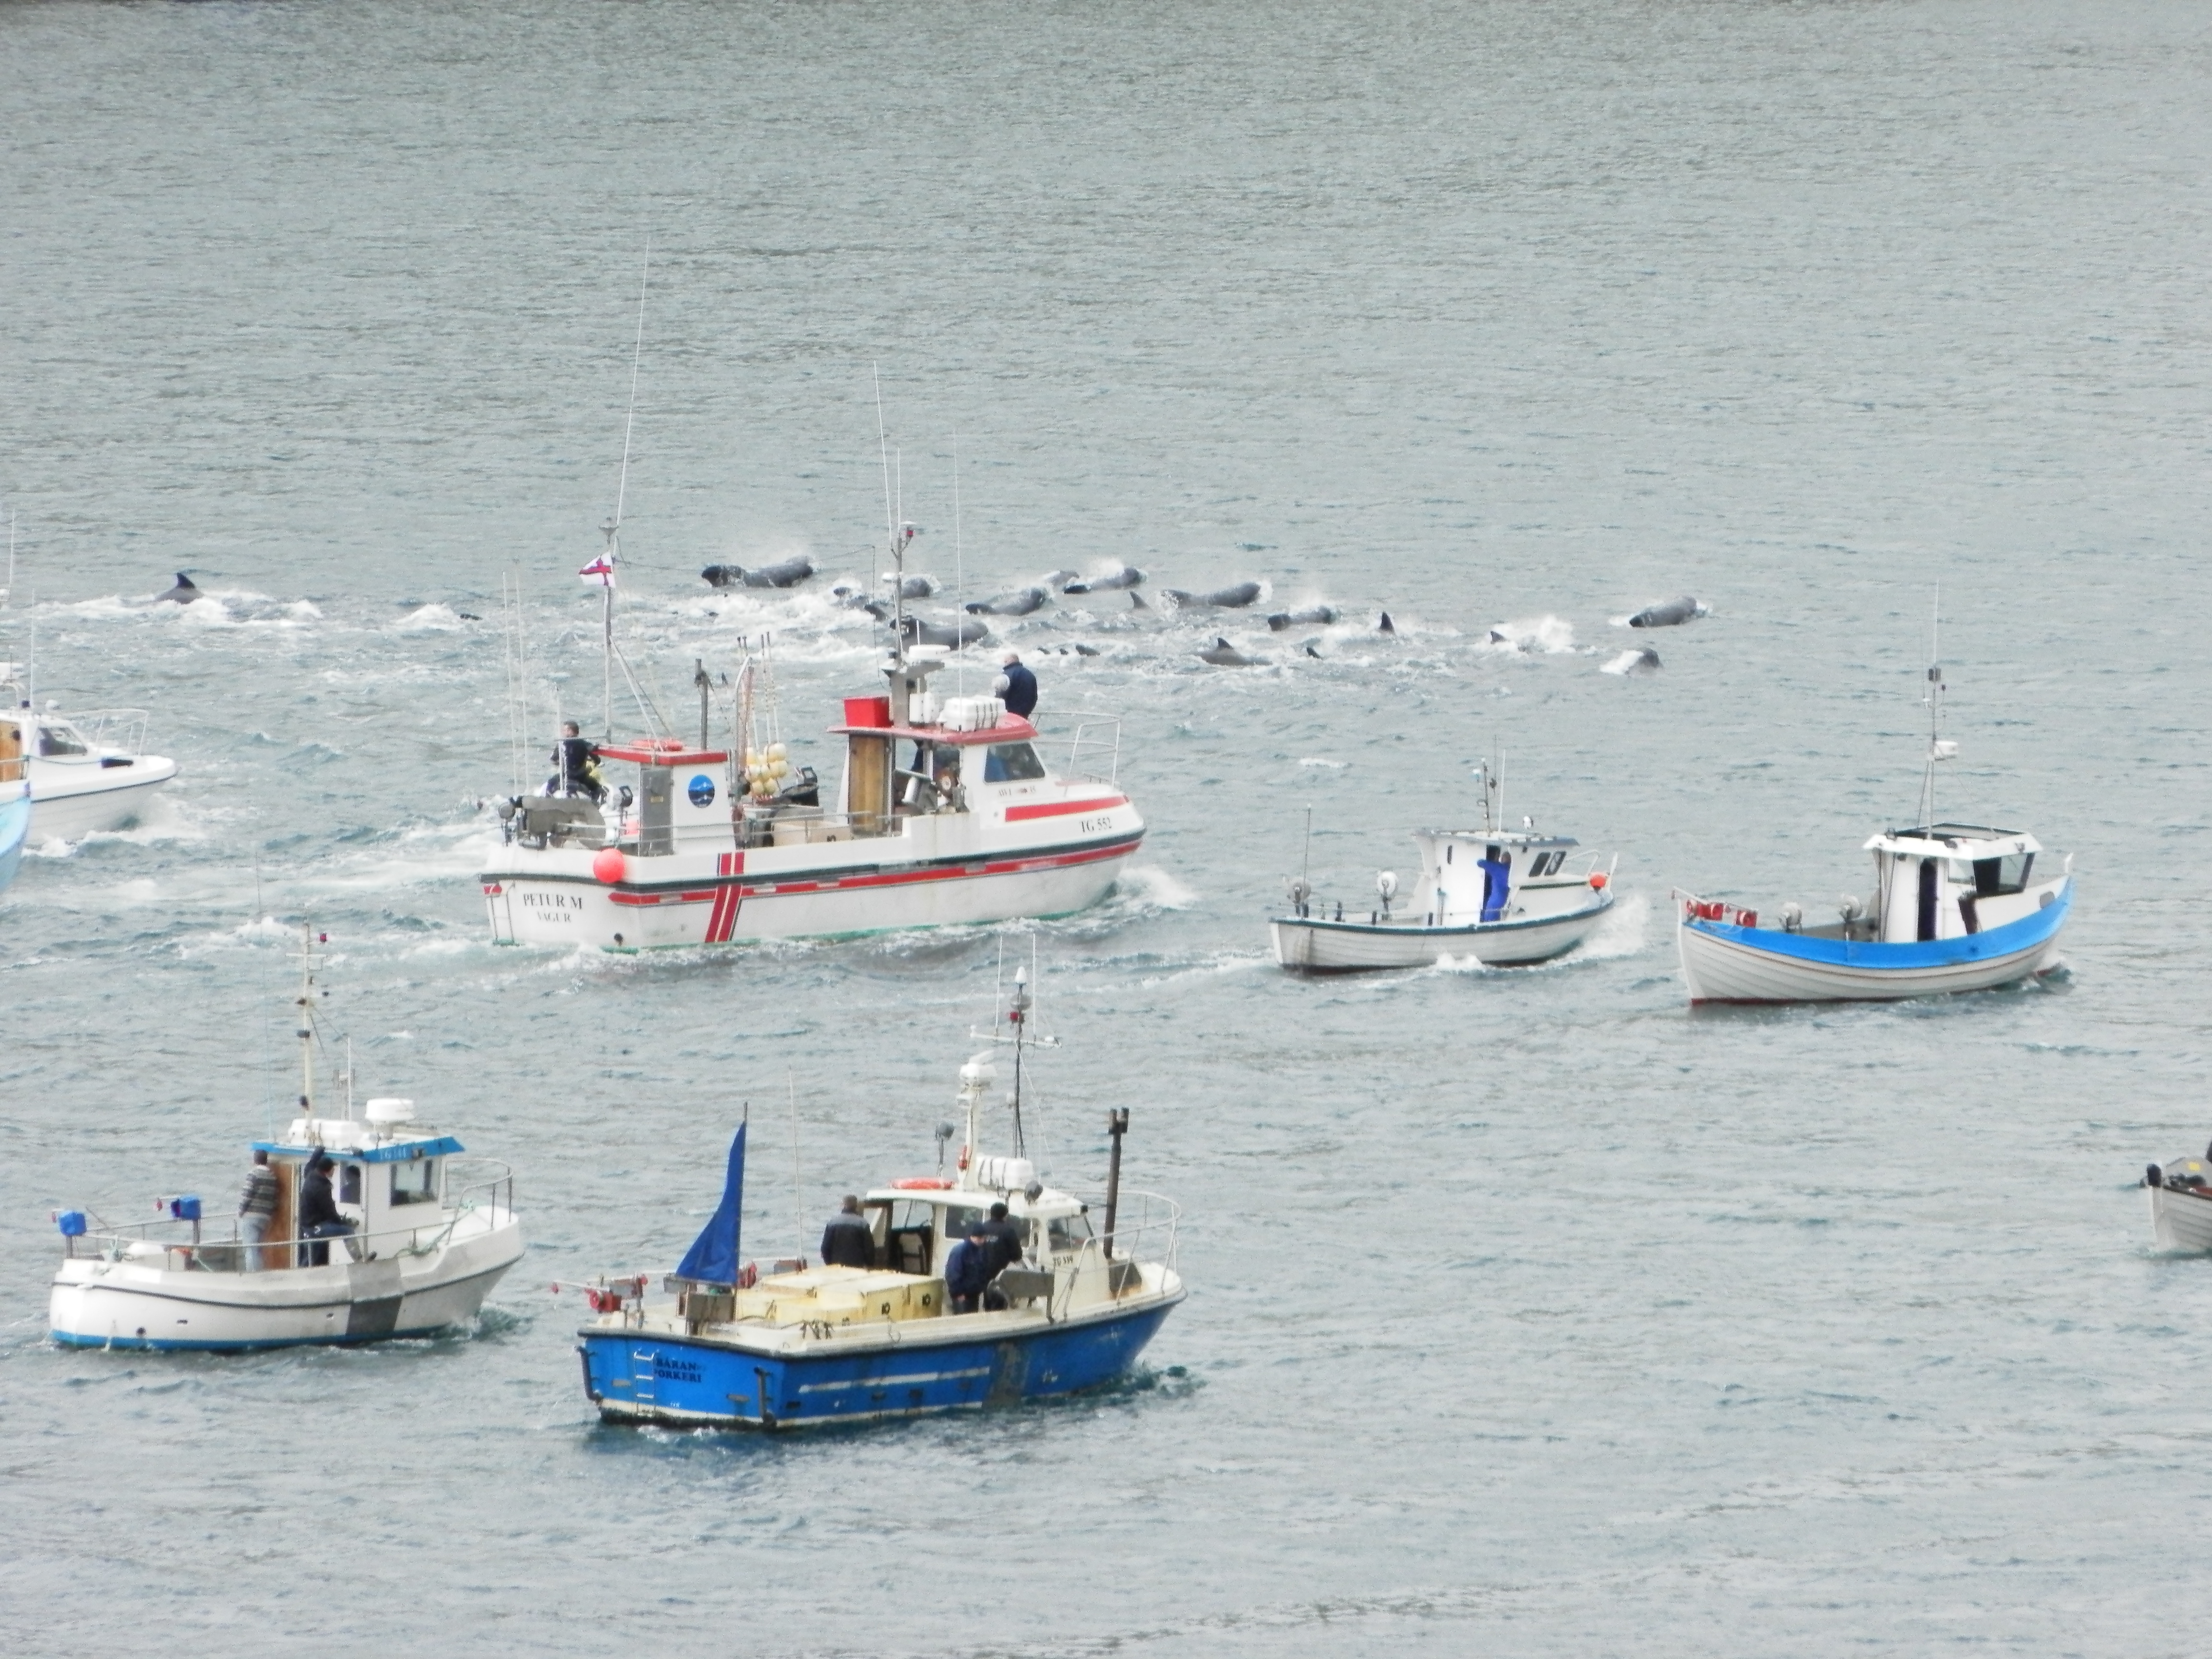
{"points": [[613, 527], [306, 1032], [890, 529], [1933, 696]]}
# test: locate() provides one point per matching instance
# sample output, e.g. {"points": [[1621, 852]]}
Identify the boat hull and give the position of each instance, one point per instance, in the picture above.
{"points": [[124, 1305], [69, 803], [636, 1375], [14, 830], [539, 902], [1725, 963], [1312, 945], [2180, 1219]]}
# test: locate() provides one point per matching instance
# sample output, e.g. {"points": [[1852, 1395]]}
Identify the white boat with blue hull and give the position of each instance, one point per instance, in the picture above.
{"points": [[1080, 1295], [1956, 907], [414, 1248]]}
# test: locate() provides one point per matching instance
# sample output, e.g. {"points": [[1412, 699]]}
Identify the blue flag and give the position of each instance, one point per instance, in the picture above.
{"points": [[713, 1257]]}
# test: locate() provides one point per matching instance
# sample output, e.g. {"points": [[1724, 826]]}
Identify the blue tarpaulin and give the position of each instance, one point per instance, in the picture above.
{"points": [[713, 1257]]}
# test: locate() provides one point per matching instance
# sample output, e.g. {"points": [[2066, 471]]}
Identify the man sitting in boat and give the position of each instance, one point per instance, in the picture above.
{"points": [[846, 1242], [575, 766]]}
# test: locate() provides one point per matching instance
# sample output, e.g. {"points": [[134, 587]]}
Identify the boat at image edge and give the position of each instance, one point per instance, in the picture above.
{"points": [[424, 1255]]}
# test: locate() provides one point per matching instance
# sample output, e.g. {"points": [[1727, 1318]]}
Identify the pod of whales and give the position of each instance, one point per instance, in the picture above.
{"points": [[1233, 598], [1671, 614], [784, 572], [1312, 616], [1018, 603], [183, 594], [1127, 575]]}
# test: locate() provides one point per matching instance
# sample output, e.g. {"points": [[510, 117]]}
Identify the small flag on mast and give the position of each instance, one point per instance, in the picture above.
{"points": [[600, 570]]}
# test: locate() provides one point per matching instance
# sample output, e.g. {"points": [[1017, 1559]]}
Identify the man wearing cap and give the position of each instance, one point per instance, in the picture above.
{"points": [[319, 1212], [968, 1269], [1016, 687]]}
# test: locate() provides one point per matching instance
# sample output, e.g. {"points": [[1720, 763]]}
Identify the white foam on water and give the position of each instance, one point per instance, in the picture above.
{"points": [[428, 619], [1620, 934], [1628, 662], [1332, 765], [1546, 636]]}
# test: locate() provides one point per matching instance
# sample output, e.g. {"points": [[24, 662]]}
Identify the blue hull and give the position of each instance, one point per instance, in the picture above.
{"points": [[15, 826], [637, 1376], [157, 1344]]}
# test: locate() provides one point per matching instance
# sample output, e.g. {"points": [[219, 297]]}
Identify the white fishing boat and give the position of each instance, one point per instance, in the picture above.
{"points": [[1502, 898], [87, 771], [1063, 1297], [423, 1236], [1956, 907], [2179, 1194]]}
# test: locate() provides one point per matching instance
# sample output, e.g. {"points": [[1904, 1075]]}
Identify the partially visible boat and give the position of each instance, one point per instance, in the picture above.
{"points": [[798, 1345], [15, 818], [1503, 897], [87, 771], [425, 1244], [1956, 907], [2179, 1194]]}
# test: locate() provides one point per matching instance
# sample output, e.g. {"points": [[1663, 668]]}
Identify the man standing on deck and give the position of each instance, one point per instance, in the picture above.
{"points": [[846, 1242], [1016, 687], [257, 1208], [968, 1270]]}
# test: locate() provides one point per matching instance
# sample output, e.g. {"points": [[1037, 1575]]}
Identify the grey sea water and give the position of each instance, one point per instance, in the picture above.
{"points": [[1530, 1313]]}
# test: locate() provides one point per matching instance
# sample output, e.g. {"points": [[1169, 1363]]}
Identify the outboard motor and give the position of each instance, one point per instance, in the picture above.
{"points": [[2152, 1177]]}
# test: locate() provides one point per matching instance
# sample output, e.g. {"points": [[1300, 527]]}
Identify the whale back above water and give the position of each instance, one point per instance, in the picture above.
{"points": [[183, 594], [1671, 614], [784, 572], [1235, 597], [1126, 576], [1018, 603]]}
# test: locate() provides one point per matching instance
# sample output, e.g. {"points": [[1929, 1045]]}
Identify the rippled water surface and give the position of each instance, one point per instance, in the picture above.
{"points": [[1530, 1313]]}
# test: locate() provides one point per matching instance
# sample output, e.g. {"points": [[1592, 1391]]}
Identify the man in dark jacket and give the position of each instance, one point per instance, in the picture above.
{"points": [[968, 1270], [1006, 1240], [318, 1213], [576, 770], [1017, 687], [846, 1242]]}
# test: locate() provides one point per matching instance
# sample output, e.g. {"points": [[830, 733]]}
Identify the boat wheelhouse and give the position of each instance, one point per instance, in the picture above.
{"points": [[86, 770], [947, 812], [1074, 1292]]}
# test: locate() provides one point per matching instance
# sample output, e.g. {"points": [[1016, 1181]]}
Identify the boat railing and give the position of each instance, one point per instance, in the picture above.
{"points": [[1095, 744], [217, 1245], [123, 730], [1144, 1227]]}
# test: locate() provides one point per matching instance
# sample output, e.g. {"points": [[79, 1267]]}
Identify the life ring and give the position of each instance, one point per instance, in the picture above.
{"points": [[923, 1184]]}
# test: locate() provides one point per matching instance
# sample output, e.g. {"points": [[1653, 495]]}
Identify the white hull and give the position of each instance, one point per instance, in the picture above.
{"points": [[1718, 970], [147, 1303], [1315, 945], [932, 877], [68, 802], [2179, 1219]]}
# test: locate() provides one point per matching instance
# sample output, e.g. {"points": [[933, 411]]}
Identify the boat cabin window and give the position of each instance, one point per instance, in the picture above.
{"points": [[348, 1184], [1068, 1233], [59, 740], [908, 1246], [1011, 763], [958, 1221], [2008, 874], [414, 1181]]}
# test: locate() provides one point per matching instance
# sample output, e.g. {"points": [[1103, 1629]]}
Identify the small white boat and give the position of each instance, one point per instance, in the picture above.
{"points": [[1503, 897], [2179, 1194], [1956, 907], [419, 1246], [87, 771], [1077, 1294]]}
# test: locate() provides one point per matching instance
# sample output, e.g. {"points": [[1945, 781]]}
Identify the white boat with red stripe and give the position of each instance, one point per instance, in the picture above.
{"points": [[946, 814]]}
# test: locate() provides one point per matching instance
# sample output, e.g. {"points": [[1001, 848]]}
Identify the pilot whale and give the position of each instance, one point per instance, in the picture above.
{"points": [[1222, 655], [183, 594], [1312, 616], [955, 636], [1126, 575], [1233, 598], [1673, 614], [784, 572], [1018, 603]]}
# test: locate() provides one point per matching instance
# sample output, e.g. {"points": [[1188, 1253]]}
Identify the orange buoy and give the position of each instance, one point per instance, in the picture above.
{"points": [[607, 865], [1597, 879]]}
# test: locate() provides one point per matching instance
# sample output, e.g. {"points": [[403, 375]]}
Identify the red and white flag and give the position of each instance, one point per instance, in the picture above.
{"points": [[600, 570]]}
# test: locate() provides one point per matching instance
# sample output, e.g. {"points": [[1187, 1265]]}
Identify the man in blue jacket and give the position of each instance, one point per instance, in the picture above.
{"points": [[968, 1270], [1017, 687]]}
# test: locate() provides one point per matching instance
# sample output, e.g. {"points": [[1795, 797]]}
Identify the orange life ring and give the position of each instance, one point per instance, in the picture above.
{"points": [[923, 1184]]}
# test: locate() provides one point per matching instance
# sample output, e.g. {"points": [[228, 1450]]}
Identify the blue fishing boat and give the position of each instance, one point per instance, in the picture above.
{"points": [[1956, 907], [1072, 1295]]}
